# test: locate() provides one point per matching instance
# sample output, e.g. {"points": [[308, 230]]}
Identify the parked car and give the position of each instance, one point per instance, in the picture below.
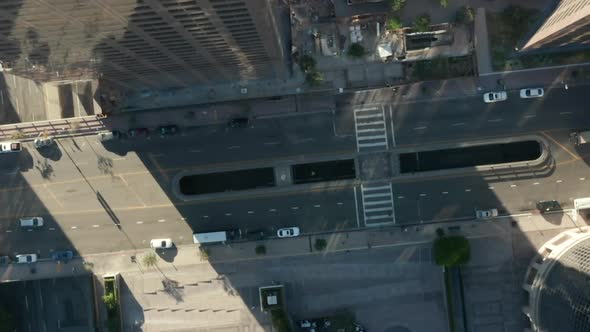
{"points": [[62, 256], [106, 136], [548, 206], [492, 97], [288, 232], [7, 147], [161, 243], [532, 93], [486, 214], [240, 122], [41, 142], [31, 222], [26, 258], [4, 260], [138, 132], [169, 130]]}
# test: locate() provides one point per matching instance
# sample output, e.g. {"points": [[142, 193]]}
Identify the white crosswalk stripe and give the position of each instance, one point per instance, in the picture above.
{"points": [[377, 202], [371, 131]]}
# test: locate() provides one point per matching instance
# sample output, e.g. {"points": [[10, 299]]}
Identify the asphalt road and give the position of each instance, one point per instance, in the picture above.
{"points": [[84, 188]]}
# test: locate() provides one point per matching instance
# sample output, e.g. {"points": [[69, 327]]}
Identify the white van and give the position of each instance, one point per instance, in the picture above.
{"points": [[580, 137], [31, 222]]}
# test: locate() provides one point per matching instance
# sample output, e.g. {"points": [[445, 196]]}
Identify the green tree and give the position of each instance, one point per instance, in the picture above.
{"points": [[422, 23], [320, 244], [394, 23], [307, 63], [444, 3], [465, 15], [397, 5], [150, 259], [7, 321], [260, 249], [314, 78], [110, 301], [356, 50], [451, 251]]}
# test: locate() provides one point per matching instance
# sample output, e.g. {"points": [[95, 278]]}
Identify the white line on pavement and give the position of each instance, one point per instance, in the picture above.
{"points": [[162, 220], [74, 227], [559, 181], [529, 116], [400, 197], [392, 126], [8, 231], [316, 206], [565, 113], [272, 210], [445, 192], [467, 190], [95, 226], [422, 195], [228, 214], [29, 230], [458, 124], [119, 158], [234, 147], [205, 216], [51, 228], [295, 207], [339, 203], [356, 209], [272, 143], [491, 188], [157, 154], [250, 212], [536, 183], [139, 222], [582, 179], [420, 128], [495, 120], [512, 186], [195, 151]]}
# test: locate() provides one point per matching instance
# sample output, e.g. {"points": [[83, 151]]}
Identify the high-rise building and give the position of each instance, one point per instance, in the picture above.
{"points": [[138, 44], [567, 26]]}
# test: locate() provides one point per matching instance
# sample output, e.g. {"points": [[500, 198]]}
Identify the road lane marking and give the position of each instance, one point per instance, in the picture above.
{"points": [[95, 226], [51, 228], [29, 230], [529, 116], [303, 140], [445, 192], [158, 167], [495, 120], [74, 227], [195, 151], [228, 214], [422, 195], [458, 124], [233, 147], [272, 143], [356, 208], [8, 231], [157, 154], [82, 163], [491, 188], [117, 159], [133, 191], [316, 206], [339, 203], [295, 207], [250, 212], [53, 196], [467, 190], [559, 181], [561, 145], [400, 197], [512, 186], [420, 128], [536, 183], [565, 113], [392, 126], [582, 179], [162, 220], [139, 222], [205, 217], [272, 210]]}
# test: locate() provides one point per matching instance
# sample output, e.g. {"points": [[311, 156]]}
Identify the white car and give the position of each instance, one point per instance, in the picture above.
{"points": [[31, 222], [41, 142], [26, 258], [288, 232], [532, 93], [486, 214], [7, 147], [161, 243], [492, 97]]}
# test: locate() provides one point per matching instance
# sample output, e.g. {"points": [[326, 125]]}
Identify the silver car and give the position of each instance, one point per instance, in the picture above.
{"points": [[492, 97], [532, 93]]}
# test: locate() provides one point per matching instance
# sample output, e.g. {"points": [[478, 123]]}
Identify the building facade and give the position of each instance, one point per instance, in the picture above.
{"points": [[567, 26], [142, 44]]}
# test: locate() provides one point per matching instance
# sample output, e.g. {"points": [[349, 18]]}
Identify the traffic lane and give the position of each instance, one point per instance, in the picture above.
{"points": [[310, 211], [459, 197]]}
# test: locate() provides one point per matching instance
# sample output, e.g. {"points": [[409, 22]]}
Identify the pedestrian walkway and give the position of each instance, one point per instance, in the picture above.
{"points": [[371, 132], [378, 204]]}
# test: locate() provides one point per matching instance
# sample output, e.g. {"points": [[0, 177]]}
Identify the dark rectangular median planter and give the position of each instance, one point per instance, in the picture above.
{"points": [[210, 183], [324, 171]]}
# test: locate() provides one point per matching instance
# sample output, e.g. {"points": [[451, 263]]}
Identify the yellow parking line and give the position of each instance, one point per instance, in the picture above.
{"points": [[560, 145], [132, 190]]}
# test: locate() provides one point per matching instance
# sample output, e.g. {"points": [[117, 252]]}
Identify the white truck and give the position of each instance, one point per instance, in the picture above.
{"points": [[7, 147]]}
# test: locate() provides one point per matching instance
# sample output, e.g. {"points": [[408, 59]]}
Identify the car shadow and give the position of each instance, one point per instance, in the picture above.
{"points": [[168, 255], [51, 152]]}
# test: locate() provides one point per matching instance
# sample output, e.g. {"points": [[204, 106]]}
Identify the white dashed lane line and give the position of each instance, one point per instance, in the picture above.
{"points": [[95, 226], [139, 222], [164, 220], [559, 181], [420, 128], [565, 113], [234, 147], [458, 124], [316, 206], [272, 143], [495, 120]]}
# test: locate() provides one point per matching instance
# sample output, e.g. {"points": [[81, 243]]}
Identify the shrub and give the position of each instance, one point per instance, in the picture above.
{"points": [[356, 50], [314, 78], [307, 63], [465, 15], [394, 23], [150, 259], [397, 5], [451, 251], [18, 135], [444, 3], [422, 23], [440, 232], [260, 249], [110, 301], [320, 244], [204, 253]]}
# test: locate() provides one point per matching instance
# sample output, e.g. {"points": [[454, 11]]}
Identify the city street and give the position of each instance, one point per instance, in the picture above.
{"points": [[89, 190]]}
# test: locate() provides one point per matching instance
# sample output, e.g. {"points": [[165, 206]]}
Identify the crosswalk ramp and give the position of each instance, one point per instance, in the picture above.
{"points": [[371, 131], [377, 202]]}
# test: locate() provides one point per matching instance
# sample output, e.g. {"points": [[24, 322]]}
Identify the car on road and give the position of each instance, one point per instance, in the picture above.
{"points": [[169, 130], [241, 122], [288, 232], [548, 206], [486, 214], [42, 142], [7, 147], [31, 222], [161, 243], [138, 132], [26, 258], [532, 93], [62, 256], [492, 97]]}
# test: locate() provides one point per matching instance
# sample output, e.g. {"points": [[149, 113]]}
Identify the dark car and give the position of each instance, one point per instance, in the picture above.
{"points": [[169, 130], [62, 256], [548, 206], [241, 122], [138, 132]]}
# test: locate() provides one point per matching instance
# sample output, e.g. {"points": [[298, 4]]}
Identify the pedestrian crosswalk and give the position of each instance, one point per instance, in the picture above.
{"points": [[377, 202], [371, 131]]}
